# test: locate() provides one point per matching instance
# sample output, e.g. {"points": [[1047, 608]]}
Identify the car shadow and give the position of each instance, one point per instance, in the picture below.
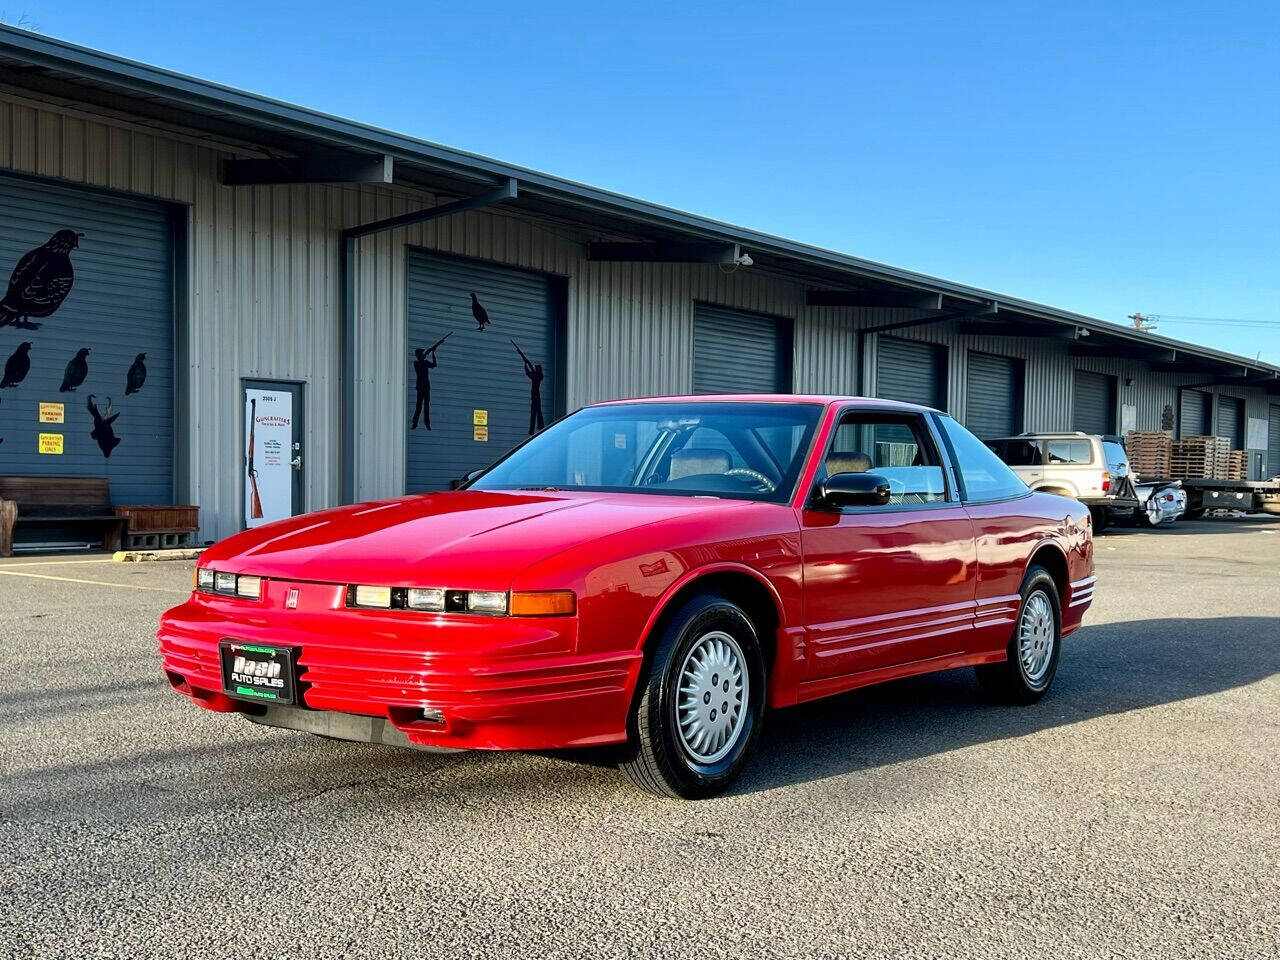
{"points": [[1105, 669], [1256, 523]]}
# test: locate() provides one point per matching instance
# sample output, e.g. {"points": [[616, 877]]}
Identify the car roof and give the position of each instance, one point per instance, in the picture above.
{"points": [[825, 399], [1052, 435]]}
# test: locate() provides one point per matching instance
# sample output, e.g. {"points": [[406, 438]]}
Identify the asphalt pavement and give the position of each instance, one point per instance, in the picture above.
{"points": [[1135, 812]]}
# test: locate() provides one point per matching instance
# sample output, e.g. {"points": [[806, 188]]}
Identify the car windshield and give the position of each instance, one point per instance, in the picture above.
{"points": [[746, 451]]}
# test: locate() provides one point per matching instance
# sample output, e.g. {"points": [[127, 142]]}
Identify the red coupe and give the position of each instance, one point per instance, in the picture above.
{"points": [[647, 573]]}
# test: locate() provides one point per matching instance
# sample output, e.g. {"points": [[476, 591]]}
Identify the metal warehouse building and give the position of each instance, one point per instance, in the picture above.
{"points": [[217, 298]]}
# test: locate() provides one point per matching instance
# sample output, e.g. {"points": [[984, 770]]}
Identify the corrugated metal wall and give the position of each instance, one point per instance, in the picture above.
{"points": [[263, 302]]}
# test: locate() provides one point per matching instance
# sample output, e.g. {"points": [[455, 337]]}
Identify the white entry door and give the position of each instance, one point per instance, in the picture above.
{"points": [[272, 455]]}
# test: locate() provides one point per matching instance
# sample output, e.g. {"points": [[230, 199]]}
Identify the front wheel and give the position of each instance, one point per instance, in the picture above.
{"points": [[1034, 648], [701, 703]]}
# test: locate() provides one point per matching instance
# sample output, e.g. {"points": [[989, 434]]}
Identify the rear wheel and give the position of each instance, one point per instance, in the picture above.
{"points": [[701, 703], [1034, 647], [1194, 514], [1100, 518]]}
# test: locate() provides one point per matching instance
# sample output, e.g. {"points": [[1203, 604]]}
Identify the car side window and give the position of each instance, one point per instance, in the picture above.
{"points": [[983, 475], [895, 446], [1069, 453], [1018, 453]]}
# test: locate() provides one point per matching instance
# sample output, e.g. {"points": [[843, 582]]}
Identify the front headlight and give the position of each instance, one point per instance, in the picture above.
{"points": [[425, 598], [209, 580], [486, 601], [489, 603], [376, 597]]}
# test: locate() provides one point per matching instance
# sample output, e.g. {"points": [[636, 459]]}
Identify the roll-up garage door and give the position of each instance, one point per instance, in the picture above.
{"points": [[1231, 421], [1194, 408], [910, 371], [1273, 441], [735, 352], [993, 395], [471, 395], [90, 392], [1094, 408]]}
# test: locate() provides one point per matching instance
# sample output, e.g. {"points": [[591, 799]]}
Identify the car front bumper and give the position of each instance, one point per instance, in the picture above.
{"points": [[441, 680]]}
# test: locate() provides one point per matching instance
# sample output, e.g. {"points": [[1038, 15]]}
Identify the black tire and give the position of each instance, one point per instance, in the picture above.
{"points": [[1009, 682], [1100, 518], [657, 758], [1195, 514]]}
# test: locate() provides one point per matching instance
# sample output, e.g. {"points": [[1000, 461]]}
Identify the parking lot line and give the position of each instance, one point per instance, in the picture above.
{"points": [[96, 583]]}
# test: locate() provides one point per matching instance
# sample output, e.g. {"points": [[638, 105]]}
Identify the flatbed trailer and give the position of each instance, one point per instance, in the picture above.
{"points": [[1247, 496]]}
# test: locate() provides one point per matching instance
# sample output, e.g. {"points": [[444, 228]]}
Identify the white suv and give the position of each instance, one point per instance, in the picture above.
{"points": [[1088, 468]]}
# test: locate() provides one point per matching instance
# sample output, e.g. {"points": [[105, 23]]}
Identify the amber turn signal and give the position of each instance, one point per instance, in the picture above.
{"points": [[546, 603]]}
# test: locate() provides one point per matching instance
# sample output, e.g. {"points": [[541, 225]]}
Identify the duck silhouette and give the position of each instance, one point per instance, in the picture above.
{"points": [[77, 369], [17, 366], [40, 282]]}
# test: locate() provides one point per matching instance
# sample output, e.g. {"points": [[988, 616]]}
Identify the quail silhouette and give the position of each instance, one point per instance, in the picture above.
{"points": [[137, 375], [40, 282], [77, 370], [480, 313], [17, 366]]}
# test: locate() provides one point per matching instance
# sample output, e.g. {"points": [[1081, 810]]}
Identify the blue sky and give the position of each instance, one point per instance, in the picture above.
{"points": [[1104, 157]]}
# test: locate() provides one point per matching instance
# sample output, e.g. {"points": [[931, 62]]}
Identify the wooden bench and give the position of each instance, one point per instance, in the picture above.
{"points": [[58, 502]]}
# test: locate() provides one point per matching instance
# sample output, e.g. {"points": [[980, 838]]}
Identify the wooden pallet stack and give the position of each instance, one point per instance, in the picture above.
{"points": [[1238, 465], [1200, 458], [1150, 452]]}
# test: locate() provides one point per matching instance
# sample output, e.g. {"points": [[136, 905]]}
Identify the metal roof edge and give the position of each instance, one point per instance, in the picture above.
{"points": [[250, 107]]}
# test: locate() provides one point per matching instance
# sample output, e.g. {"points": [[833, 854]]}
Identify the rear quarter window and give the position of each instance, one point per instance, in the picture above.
{"points": [[983, 475], [1066, 453]]}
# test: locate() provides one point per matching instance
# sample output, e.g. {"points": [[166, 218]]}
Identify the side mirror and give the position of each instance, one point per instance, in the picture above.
{"points": [[459, 482], [854, 490]]}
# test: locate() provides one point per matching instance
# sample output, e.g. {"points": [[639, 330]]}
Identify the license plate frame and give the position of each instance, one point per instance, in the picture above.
{"points": [[274, 682]]}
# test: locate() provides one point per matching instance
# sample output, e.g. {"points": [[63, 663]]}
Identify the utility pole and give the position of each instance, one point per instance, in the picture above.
{"points": [[1142, 322]]}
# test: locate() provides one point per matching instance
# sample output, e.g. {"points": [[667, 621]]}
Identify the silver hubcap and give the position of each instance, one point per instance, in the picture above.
{"points": [[1036, 637], [711, 697]]}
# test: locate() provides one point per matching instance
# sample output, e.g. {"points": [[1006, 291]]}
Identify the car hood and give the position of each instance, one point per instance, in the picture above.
{"points": [[468, 539]]}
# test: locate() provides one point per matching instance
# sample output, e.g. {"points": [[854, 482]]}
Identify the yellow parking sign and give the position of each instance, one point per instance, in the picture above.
{"points": [[50, 443]]}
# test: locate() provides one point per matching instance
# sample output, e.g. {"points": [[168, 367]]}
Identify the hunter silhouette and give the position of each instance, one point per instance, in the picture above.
{"points": [[426, 360], [534, 372], [40, 282]]}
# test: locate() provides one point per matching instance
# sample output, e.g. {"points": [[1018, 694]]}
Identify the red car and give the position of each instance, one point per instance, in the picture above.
{"points": [[648, 573]]}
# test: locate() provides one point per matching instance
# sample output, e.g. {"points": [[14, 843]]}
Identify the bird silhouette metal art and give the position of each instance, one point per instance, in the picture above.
{"points": [[137, 375], [534, 372], [422, 366], [17, 366], [480, 313], [103, 430], [77, 369], [40, 282]]}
